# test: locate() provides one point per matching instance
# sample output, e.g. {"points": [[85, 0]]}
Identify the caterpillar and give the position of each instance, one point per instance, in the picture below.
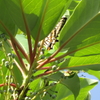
{"points": [[51, 39]]}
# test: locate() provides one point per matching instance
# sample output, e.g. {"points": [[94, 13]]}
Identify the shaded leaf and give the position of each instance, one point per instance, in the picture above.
{"points": [[68, 82], [6, 23], [40, 16], [23, 19], [17, 75], [86, 86], [51, 12]]}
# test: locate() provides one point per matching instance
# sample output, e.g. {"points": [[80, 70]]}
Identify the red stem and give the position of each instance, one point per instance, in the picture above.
{"points": [[44, 68], [20, 59], [2, 85], [27, 32], [15, 41], [49, 72], [43, 74], [39, 32], [62, 56], [47, 60], [5, 84]]}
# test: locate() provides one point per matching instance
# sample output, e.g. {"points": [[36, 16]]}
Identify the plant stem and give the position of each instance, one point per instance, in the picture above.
{"points": [[19, 47], [44, 68], [20, 59], [39, 31], [26, 81], [50, 59], [50, 72], [64, 55], [15, 41], [5, 84], [44, 89], [43, 74], [27, 31]]}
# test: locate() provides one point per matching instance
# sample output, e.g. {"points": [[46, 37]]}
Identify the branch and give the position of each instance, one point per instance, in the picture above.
{"points": [[15, 41], [23, 68], [49, 60], [39, 32], [5, 84], [27, 32]]}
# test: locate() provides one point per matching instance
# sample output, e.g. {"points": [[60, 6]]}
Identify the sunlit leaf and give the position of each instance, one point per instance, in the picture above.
{"points": [[94, 73], [81, 32], [40, 16], [82, 63], [23, 41]]}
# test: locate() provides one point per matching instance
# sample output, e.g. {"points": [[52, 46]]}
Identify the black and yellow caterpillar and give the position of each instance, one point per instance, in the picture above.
{"points": [[51, 39]]}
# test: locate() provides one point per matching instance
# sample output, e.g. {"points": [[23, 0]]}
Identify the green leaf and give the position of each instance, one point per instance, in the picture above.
{"points": [[17, 75], [2, 56], [23, 19], [63, 92], [51, 12], [88, 96], [94, 73], [82, 63], [81, 32], [6, 23], [89, 51], [3, 69], [3, 73], [73, 4], [35, 85], [68, 82], [40, 16], [86, 86], [23, 41], [6, 47]]}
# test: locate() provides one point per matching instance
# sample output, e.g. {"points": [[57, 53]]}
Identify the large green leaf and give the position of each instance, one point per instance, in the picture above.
{"points": [[73, 4], [63, 93], [89, 51], [40, 16], [3, 69], [15, 71], [21, 18], [68, 82], [3, 73], [17, 75], [23, 41], [86, 86], [94, 73], [6, 23], [82, 63], [51, 12], [82, 29]]}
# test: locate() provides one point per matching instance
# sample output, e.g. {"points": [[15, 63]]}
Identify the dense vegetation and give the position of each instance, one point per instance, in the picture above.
{"points": [[28, 70]]}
